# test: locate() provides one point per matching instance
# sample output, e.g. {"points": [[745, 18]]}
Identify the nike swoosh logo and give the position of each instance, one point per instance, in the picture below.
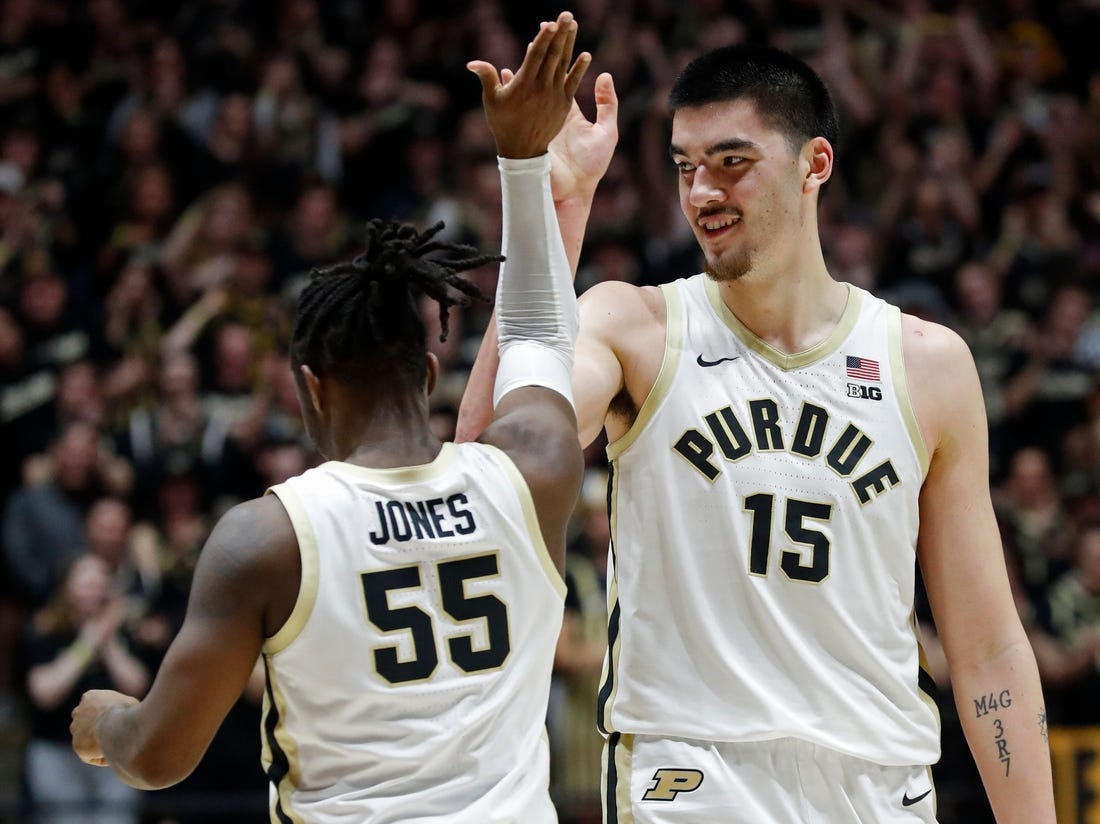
{"points": [[699, 360], [906, 801]]}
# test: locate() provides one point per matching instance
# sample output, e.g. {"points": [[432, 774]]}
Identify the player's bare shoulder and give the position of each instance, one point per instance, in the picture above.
{"points": [[258, 530], [931, 349], [629, 319], [252, 552], [616, 306], [943, 381]]}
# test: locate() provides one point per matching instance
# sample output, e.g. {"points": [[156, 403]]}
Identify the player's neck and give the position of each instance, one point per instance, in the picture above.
{"points": [[387, 433], [407, 447], [792, 304]]}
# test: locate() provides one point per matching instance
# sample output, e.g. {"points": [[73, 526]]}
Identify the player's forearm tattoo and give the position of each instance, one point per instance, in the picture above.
{"points": [[991, 703], [1043, 724], [1002, 745]]}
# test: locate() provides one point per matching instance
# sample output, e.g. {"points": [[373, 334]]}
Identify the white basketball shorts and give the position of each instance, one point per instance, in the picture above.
{"points": [[651, 780]]}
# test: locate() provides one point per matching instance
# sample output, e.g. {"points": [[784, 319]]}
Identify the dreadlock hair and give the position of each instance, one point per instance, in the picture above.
{"points": [[360, 320]]}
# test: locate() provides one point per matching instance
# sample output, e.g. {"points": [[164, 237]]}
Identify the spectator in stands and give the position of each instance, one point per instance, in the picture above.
{"points": [[1046, 392], [43, 524], [316, 234], [1036, 526], [1074, 620], [174, 433], [993, 332], [133, 566], [75, 643]]}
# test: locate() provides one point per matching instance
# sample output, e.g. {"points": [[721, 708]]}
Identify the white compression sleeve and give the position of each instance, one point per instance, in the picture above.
{"points": [[536, 305]]}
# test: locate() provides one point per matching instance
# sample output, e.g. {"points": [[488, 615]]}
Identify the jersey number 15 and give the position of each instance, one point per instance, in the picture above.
{"points": [[796, 514]]}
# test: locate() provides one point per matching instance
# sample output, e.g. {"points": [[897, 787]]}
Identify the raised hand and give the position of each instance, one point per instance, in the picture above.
{"points": [[526, 113], [582, 150]]}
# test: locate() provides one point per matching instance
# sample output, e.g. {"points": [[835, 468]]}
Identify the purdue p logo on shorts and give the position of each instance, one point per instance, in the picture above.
{"points": [[671, 782]]}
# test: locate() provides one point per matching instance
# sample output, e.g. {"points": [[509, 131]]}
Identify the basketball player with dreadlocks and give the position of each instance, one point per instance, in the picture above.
{"points": [[406, 595]]}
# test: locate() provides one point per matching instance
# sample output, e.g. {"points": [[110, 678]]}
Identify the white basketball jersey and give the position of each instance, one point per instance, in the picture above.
{"points": [[764, 524], [410, 682]]}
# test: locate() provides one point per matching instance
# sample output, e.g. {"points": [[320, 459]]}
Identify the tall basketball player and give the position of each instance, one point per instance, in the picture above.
{"points": [[407, 594], [784, 448]]}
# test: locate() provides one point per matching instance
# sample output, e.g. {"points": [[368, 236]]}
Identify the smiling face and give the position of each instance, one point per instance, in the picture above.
{"points": [[742, 185]]}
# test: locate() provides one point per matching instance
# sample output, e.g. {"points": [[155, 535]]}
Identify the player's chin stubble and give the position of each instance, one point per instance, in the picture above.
{"points": [[728, 268]]}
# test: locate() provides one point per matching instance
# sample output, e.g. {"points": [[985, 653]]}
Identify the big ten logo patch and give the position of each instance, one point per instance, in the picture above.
{"points": [[868, 393], [1075, 757], [670, 782]]}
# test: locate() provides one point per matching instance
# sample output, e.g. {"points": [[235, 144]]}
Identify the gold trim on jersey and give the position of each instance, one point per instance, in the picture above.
{"points": [[400, 474], [935, 795], [674, 326], [530, 516], [274, 701], [621, 749], [311, 571], [609, 677], [901, 387], [922, 659], [761, 347], [624, 761]]}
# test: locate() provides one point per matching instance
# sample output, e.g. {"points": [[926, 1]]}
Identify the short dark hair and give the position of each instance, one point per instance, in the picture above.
{"points": [[360, 320], [787, 93]]}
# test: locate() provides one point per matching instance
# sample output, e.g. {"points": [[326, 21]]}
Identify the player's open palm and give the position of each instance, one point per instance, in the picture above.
{"points": [[582, 150], [525, 113]]}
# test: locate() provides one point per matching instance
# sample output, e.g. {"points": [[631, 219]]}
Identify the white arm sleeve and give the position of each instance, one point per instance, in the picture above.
{"points": [[536, 306]]}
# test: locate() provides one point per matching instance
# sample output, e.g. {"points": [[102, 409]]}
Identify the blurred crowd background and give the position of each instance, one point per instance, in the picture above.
{"points": [[170, 172]]}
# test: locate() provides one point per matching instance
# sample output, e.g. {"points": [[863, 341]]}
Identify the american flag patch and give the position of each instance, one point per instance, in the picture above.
{"points": [[862, 368]]}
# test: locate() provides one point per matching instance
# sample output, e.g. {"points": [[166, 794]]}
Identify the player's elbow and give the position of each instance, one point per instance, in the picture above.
{"points": [[997, 652]]}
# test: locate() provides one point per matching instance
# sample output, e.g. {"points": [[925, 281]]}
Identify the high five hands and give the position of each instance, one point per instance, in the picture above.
{"points": [[526, 112]]}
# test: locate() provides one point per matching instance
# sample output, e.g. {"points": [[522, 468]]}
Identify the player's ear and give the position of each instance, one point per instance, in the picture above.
{"points": [[433, 373], [817, 163], [314, 390]]}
